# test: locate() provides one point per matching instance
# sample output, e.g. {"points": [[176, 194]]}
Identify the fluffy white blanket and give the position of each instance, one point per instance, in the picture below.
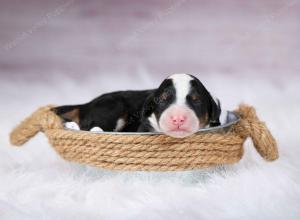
{"points": [[35, 183]]}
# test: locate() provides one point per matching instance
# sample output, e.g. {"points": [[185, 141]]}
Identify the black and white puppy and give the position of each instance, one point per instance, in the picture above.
{"points": [[179, 108]]}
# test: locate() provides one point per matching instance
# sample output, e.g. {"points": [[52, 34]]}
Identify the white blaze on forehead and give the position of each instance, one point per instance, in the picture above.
{"points": [[182, 86]]}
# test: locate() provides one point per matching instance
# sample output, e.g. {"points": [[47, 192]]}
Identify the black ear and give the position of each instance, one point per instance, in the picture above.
{"points": [[215, 112]]}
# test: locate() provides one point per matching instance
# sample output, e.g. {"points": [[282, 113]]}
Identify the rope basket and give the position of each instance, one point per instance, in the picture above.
{"points": [[149, 152]]}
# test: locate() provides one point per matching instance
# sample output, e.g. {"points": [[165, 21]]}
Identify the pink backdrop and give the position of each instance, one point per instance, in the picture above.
{"points": [[80, 38]]}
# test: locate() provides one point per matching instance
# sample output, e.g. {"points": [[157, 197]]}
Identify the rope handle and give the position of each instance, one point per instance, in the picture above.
{"points": [[249, 126], [40, 120]]}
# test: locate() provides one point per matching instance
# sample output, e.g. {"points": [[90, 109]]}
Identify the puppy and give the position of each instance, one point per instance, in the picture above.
{"points": [[179, 108]]}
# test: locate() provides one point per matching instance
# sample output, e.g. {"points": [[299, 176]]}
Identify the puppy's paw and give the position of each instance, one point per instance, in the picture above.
{"points": [[72, 125], [96, 129]]}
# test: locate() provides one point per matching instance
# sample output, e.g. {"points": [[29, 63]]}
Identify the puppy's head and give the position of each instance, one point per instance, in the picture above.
{"points": [[181, 106]]}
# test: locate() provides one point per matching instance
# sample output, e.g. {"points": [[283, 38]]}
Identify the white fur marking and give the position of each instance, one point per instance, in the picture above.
{"points": [[96, 129], [72, 125], [182, 86], [153, 122], [120, 124]]}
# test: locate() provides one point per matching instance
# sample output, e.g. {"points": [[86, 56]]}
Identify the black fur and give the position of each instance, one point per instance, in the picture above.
{"points": [[105, 110]]}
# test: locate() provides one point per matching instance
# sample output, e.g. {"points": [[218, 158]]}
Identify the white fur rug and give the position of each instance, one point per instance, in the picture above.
{"points": [[35, 183]]}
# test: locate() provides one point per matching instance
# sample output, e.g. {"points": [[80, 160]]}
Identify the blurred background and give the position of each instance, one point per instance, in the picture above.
{"points": [[77, 38]]}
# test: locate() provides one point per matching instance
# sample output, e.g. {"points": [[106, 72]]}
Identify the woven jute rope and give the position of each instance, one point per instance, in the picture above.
{"points": [[149, 152]]}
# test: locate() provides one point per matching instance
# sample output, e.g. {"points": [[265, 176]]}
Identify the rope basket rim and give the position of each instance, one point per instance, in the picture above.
{"points": [[151, 152]]}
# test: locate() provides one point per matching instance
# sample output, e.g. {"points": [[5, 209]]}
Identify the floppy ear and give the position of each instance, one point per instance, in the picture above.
{"points": [[215, 112]]}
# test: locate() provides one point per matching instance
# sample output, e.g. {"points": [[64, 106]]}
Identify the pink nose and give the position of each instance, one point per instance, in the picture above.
{"points": [[178, 120]]}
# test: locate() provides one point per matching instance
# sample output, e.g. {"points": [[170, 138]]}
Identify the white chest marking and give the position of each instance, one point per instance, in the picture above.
{"points": [[153, 122], [182, 86]]}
